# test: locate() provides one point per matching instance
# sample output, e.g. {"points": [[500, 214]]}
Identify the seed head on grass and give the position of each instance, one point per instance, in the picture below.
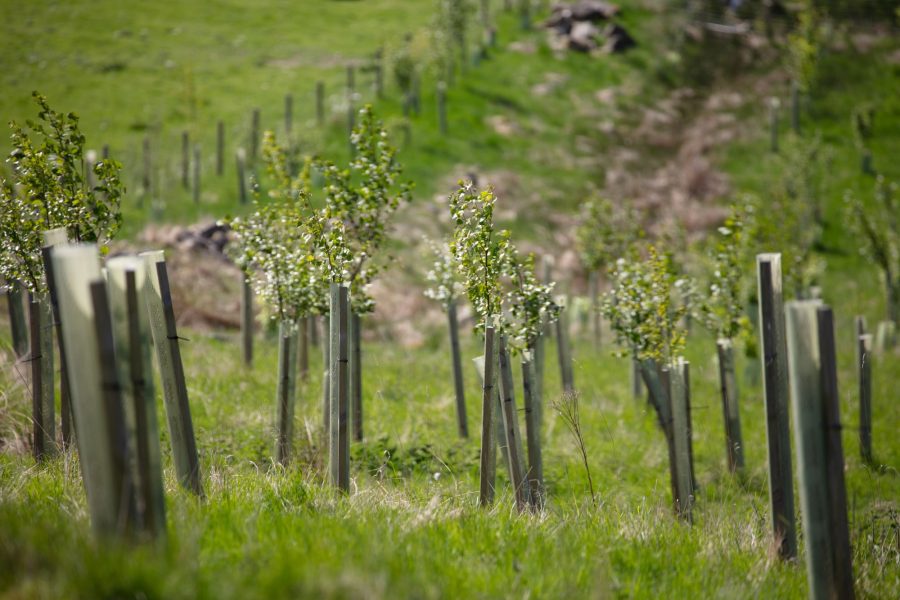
{"points": [[566, 407]]}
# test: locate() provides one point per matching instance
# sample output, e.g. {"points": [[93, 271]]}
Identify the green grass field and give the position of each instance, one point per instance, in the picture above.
{"points": [[411, 526]]}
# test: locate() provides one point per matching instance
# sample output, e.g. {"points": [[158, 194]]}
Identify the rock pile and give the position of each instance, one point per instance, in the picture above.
{"points": [[577, 26]]}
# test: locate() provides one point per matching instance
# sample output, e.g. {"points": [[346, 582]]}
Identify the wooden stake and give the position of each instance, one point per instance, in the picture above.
{"points": [[563, 353], [196, 181], [286, 391], [240, 159], [864, 364], [809, 419], [773, 124], [53, 238], [658, 387], [145, 179], [254, 136], [288, 114], [842, 569], [42, 388], [488, 471], [303, 349], [247, 320], [160, 309], [511, 429], [734, 445], [681, 428], [535, 475], [458, 385], [339, 440], [540, 357], [16, 309], [185, 160], [220, 148], [320, 103], [774, 365], [637, 387], [112, 482], [356, 377]]}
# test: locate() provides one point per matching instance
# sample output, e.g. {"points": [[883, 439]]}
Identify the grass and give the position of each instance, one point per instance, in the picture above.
{"points": [[411, 527]]}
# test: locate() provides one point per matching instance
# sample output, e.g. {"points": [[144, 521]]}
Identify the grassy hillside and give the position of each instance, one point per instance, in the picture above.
{"points": [[412, 527]]}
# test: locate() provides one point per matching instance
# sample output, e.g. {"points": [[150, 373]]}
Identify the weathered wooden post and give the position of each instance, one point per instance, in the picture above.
{"points": [[563, 351], [96, 399], [286, 391], [196, 178], [734, 445], [255, 136], [220, 148], [795, 106], [531, 399], [247, 319], [681, 431], [326, 384], [864, 365], [320, 103], [442, 107], [458, 386], [55, 237], [774, 364], [185, 160], [240, 158], [339, 439], [774, 104], [499, 434], [488, 472], [42, 384], [148, 169], [511, 429], [356, 376], [158, 299], [288, 115], [842, 569], [17, 324], [127, 279]]}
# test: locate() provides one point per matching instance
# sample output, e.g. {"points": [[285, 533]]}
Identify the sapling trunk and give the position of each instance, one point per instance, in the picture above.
{"points": [[488, 472], [458, 385], [168, 356], [356, 376], [511, 429], [247, 320], [16, 306], [286, 391], [734, 446], [531, 400], [809, 421], [864, 365], [773, 351]]}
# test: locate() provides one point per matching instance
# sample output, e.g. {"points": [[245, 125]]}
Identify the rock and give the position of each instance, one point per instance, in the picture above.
{"points": [[617, 39]]}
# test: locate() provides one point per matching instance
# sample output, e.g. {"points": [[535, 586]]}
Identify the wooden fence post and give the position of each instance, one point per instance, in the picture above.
{"points": [[320, 103], [681, 429], [339, 440], [240, 158], [247, 319], [458, 384], [17, 319], [864, 365], [42, 380], [511, 429], [185, 160], [563, 352], [734, 445], [286, 391], [356, 376], [488, 472], [774, 364], [842, 569], [809, 419], [535, 474], [126, 279], [220, 148], [196, 181], [119, 489], [53, 238], [161, 311], [96, 401]]}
